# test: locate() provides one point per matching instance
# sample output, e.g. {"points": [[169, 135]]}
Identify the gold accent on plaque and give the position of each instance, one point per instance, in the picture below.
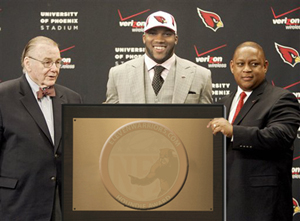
{"points": [[89, 192]]}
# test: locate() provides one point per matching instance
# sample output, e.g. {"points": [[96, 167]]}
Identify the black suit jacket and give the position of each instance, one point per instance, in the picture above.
{"points": [[30, 165], [259, 160]]}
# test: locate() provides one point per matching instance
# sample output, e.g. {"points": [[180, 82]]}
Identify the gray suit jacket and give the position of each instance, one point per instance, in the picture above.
{"points": [[126, 83], [30, 165]]}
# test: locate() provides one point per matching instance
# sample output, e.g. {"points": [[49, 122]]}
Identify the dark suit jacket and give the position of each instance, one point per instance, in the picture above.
{"points": [[30, 165], [259, 160]]}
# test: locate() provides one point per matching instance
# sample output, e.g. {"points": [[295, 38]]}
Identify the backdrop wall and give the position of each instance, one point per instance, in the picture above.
{"points": [[95, 35]]}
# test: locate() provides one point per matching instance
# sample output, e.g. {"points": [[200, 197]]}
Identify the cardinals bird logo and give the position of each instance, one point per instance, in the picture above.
{"points": [[210, 19], [296, 206], [287, 54], [160, 19]]}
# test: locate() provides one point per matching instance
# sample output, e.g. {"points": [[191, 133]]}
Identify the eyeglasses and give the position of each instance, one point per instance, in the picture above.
{"points": [[48, 64]]}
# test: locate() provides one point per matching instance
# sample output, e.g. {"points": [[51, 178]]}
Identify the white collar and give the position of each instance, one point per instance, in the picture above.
{"points": [[239, 91], [167, 64], [34, 86]]}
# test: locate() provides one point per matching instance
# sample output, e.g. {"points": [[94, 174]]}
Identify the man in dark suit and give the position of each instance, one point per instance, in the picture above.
{"points": [[30, 136], [259, 141], [178, 81]]}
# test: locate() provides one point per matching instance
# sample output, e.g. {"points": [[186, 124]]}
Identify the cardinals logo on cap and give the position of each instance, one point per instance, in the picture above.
{"points": [[210, 19], [288, 55], [296, 206], [160, 19]]}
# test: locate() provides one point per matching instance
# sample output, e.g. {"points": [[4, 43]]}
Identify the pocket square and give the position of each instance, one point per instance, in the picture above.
{"points": [[192, 92]]}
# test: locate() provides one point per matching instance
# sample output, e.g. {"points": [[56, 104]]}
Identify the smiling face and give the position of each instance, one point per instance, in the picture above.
{"points": [[249, 66], [45, 52], [160, 43]]}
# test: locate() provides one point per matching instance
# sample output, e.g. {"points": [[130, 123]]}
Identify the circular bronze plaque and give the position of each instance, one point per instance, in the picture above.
{"points": [[143, 165]]}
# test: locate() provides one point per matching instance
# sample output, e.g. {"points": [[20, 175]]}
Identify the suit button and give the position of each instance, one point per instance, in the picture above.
{"points": [[53, 178], [56, 155]]}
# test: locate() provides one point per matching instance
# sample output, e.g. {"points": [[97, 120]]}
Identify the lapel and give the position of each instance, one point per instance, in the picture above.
{"points": [[184, 75], [31, 105], [253, 99], [57, 102], [136, 80], [228, 102]]}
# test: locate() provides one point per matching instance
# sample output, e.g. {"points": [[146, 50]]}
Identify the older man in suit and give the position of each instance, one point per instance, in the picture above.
{"points": [[262, 125], [30, 136], [159, 76]]}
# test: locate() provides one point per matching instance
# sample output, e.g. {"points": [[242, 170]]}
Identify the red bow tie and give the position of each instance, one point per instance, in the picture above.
{"points": [[46, 91]]}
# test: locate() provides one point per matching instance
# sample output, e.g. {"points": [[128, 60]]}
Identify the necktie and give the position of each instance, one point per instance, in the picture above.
{"points": [[157, 79], [46, 91], [239, 106]]}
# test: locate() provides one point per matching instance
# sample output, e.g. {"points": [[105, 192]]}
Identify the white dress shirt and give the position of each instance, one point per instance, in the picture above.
{"points": [[45, 104], [167, 65], [235, 102]]}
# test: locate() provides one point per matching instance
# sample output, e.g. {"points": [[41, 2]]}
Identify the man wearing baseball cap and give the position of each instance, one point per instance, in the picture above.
{"points": [[159, 76]]}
